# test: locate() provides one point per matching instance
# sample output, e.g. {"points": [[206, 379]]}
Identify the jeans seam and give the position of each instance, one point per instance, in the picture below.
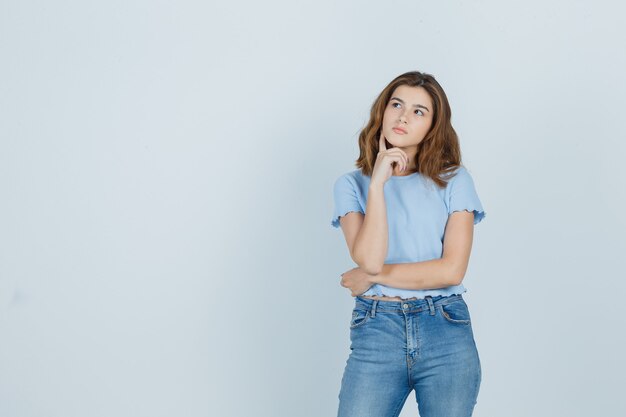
{"points": [[401, 403], [365, 319], [450, 319]]}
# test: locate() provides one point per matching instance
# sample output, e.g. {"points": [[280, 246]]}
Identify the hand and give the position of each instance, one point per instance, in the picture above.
{"points": [[356, 280], [383, 167]]}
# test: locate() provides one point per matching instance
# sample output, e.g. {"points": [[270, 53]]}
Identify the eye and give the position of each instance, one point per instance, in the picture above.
{"points": [[419, 111], [393, 104]]}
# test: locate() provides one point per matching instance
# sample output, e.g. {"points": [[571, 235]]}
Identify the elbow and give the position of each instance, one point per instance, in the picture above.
{"points": [[371, 268], [456, 278], [371, 263], [455, 274]]}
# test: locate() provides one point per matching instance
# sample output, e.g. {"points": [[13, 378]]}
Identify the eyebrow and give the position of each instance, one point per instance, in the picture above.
{"points": [[415, 105]]}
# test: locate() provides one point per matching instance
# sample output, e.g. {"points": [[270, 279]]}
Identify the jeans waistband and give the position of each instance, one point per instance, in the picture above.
{"points": [[406, 306]]}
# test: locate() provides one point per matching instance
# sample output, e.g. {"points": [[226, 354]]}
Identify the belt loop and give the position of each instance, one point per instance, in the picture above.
{"points": [[430, 305], [373, 313]]}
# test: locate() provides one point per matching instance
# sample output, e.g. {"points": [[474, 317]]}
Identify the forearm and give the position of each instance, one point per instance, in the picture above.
{"points": [[370, 247], [435, 273]]}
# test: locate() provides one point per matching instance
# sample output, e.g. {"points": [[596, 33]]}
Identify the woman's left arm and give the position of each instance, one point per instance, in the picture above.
{"points": [[436, 273]]}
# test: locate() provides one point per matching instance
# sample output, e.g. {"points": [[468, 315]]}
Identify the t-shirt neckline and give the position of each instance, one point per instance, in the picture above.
{"points": [[403, 177]]}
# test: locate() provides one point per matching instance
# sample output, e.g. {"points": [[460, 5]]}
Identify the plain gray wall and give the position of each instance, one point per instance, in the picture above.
{"points": [[166, 174]]}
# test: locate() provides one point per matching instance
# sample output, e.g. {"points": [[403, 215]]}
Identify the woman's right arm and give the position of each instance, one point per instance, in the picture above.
{"points": [[367, 234]]}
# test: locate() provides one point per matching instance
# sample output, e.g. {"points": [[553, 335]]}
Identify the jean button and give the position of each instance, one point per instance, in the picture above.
{"points": [[405, 305]]}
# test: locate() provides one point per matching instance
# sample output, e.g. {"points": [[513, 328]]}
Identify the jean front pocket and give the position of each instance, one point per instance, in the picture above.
{"points": [[456, 312], [360, 316]]}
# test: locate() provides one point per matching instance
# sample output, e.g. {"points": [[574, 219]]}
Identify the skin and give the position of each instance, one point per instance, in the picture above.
{"points": [[399, 160], [401, 111]]}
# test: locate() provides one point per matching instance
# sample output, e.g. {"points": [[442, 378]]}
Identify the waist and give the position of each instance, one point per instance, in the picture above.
{"points": [[405, 305], [384, 293], [385, 298]]}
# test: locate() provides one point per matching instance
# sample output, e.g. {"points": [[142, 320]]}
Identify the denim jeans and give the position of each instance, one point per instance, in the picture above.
{"points": [[426, 345]]}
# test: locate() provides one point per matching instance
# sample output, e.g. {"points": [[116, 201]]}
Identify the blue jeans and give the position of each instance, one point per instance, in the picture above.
{"points": [[426, 345]]}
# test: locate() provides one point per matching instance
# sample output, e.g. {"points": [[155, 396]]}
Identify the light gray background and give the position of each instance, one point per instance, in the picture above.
{"points": [[166, 174]]}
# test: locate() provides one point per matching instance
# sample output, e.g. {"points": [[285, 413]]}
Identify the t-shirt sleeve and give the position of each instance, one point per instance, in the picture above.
{"points": [[345, 199], [463, 196]]}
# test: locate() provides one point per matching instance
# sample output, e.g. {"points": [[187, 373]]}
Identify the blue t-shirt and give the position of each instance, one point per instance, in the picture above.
{"points": [[417, 213]]}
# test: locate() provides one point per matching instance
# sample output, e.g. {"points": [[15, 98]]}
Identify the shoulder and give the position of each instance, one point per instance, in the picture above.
{"points": [[461, 171], [459, 175], [459, 181], [351, 178]]}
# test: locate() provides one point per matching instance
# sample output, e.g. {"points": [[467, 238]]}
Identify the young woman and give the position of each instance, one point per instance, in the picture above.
{"points": [[408, 216]]}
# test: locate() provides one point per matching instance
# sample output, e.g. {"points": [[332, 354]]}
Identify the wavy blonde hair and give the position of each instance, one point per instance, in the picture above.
{"points": [[438, 153]]}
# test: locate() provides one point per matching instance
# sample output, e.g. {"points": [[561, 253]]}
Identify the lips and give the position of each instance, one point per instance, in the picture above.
{"points": [[399, 130]]}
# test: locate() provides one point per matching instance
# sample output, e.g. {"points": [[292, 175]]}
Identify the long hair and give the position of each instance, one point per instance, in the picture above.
{"points": [[438, 153]]}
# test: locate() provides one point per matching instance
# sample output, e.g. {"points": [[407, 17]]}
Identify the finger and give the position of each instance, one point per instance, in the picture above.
{"points": [[403, 158], [398, 159]]}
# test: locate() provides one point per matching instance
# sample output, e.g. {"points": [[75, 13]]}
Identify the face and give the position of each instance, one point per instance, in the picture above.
{"points": [[410, 109]]}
